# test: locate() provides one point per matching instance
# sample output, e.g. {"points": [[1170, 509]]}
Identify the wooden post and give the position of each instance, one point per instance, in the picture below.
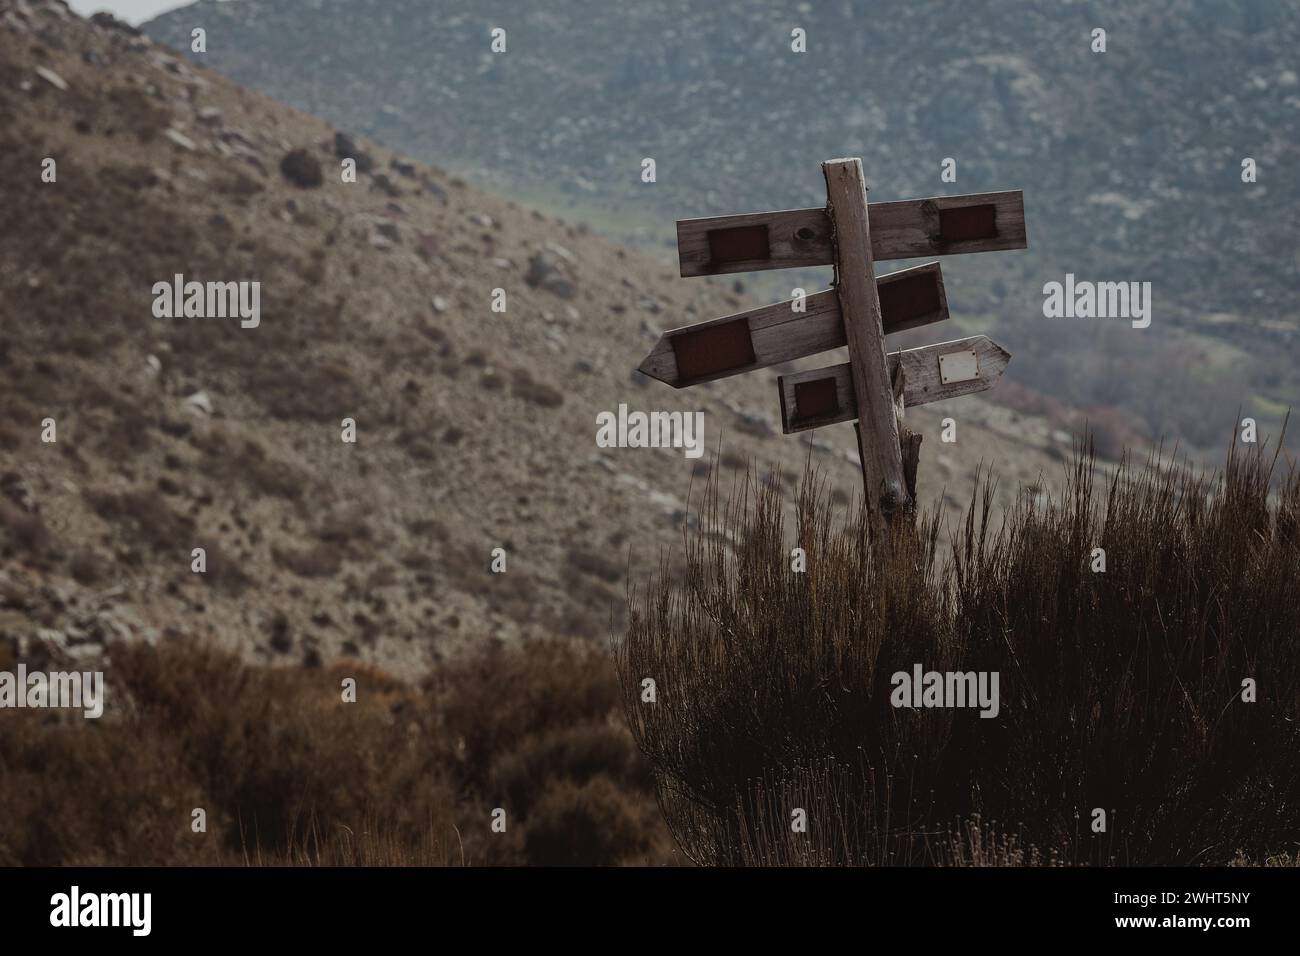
{"points": [[872, 388], [855, 284]]}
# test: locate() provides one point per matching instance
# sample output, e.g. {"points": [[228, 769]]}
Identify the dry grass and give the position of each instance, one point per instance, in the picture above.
{"points": [[1119, 690], [291, 775]]}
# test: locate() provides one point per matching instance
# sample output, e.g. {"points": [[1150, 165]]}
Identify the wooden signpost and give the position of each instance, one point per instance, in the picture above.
{"points": [[873, 388]]}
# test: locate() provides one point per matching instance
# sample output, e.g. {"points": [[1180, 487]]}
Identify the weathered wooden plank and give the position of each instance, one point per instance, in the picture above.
{"points": [[761, 338], [882, 462], [907, 229], [949, 225], [793, 237], [825, 396]]}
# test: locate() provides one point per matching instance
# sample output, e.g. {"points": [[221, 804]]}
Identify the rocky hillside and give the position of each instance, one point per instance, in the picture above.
{"points": [[475, 429], [1130, 159]]}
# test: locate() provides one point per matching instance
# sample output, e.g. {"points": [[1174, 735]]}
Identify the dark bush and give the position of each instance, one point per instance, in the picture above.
{"points": [[289, 773], [320, 560], [302, 169], [592, 823], [1120, 690]]}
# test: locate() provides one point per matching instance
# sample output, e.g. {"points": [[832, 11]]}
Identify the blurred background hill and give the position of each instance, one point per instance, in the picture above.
{"points": [[1130, 160]]}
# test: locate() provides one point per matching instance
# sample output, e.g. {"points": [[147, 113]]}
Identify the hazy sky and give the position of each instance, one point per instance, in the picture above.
{"points": [[132, 11]]}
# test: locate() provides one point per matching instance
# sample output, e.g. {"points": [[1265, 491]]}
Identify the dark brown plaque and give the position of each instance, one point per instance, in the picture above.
{"points": [[719, 348], [965, 223], [739, 244], [816, 399], [906, 300]]}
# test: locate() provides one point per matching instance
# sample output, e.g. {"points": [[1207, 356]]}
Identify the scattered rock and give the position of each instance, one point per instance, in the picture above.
{"points": [[439, 304], [560, 251], [210, 116], [544, 273], [302, 169], [754, 424], [345, 147], [434, 189], [238, 138], [17, 490], [385, 185], [426, 245], [52, 78], [107, 21], [179, 138], [200, 401], [402, 168]]}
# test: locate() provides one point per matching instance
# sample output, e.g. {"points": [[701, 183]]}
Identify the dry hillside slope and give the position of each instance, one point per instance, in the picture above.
{"points": [[475, 430]]}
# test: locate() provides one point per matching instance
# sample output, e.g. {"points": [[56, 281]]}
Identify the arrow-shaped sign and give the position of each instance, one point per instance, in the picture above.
{"points": [[931, 373], [910, 229], [764, 337]]}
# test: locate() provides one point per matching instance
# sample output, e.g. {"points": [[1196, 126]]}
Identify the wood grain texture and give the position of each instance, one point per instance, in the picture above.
{"points": [[921, 381], [907, 229], [882, 463], [795, 237], [778, 334]]}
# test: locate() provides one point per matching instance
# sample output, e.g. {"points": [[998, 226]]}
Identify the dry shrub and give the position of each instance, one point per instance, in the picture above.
{"points": [[575, 754], [346, 523], [533, 732], [147, 515], [320, 560], [73, 792], [302, 169], [290, 774], [87, 565], [239, 185], [527, 389], [267, 474], [224, 570], [492, 700], [291, 390], [594, 563], [234, 457], [576, 824], [138, 112], [24, 529], [1119, 690]]}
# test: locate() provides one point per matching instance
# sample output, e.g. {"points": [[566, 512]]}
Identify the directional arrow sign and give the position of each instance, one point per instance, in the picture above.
{"points": [[774, 334], [941, 225], [932, 373]]}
